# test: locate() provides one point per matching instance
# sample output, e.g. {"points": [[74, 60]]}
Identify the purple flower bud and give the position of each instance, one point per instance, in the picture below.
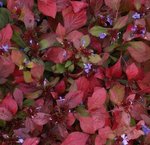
{"points": [[109, 20], [5, 47], [134, 28], [102, 35], [136, 16], [145, 129], [87, 67], [1, 4]]}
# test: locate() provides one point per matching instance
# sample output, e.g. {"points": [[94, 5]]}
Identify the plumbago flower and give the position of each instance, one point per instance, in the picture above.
{"points": [[74, 72]]}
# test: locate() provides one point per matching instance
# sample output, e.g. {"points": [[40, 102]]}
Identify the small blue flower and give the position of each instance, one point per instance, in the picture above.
{"points": [[1, 4], [109, 20], [134, 28], [87, 67], [102, 35], [136, 16], [5, 47], [145, 129]]}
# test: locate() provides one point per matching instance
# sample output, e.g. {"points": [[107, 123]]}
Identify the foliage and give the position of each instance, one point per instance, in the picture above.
{"points": [[74, 72]]}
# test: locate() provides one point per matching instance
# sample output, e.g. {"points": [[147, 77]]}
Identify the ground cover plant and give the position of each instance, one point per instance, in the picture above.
{"points": [[74, 72]]}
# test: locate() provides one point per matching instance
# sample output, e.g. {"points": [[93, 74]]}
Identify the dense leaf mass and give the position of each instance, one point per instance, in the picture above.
{"points": [[74, 72]]}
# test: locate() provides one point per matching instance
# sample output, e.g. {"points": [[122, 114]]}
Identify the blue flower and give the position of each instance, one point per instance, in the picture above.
{"points": [[102, 35], [1, 4], [87, 67], [136, 16], [5, 47], [145, 129], [109, 20]]}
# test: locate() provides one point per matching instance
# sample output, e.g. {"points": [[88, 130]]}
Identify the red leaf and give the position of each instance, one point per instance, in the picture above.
{"points": [[87, 124], [132, 71], [6, 34], [117, 93], [60, 87], [78, 6], [139, 51], [31, 141], [115, 71], [41, 118], [80, 81], [5, 114], [96, 5], [62, 4], [47, 7], [56, 55], [98, 99], [76, 138], [70, 119], [9, 103], [37, 71], [113, 4], [17, 57], [144, 84], [18, 96], [73, 21], [73, 99], [99, 117], [28, 17], [99, 140], [60, 30], [6, 66]]}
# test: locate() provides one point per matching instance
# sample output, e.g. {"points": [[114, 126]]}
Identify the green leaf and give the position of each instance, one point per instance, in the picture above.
{"points": [[20, 115], [68, 63], [71, 68], [85, 41], [4, 17], [95, 58], [17, 38], [27, 76], [82, 111], [96, 30], [28, 102], [2, 123], [60, 68], [132, 122]]}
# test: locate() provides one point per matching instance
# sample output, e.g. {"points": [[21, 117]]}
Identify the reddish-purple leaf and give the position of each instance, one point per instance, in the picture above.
{"points": [[56, 55], [37, 71], [115, 71], [98, 99], [18, 96], [78, 5], [117, 93], [73, 99], [6, 66], [96, 5], [60, 87], [28, 17], [87, 124], [60, 30], [113, 4], [41, 118], [139, 51], [5, 34], [73, 21], [62, 4], [5, 114], [9, 103], [76, 138], [47, 7], [132, 71], [31, 141]]}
